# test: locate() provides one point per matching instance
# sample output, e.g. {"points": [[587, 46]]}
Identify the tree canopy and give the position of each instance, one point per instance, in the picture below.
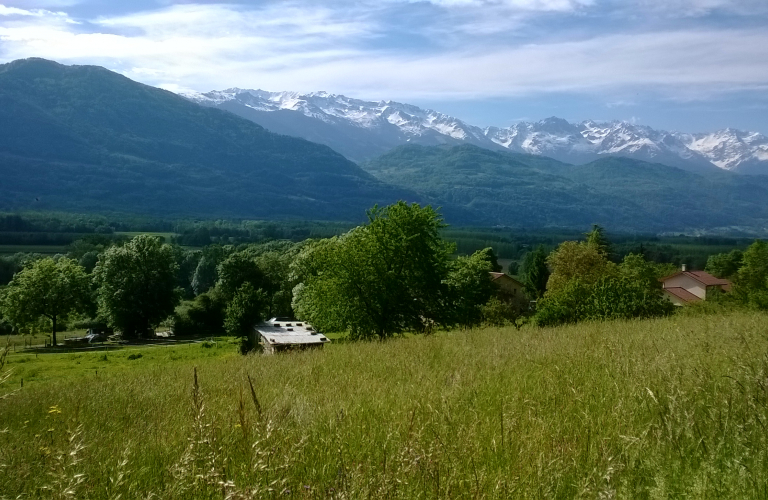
{"points": [[137, 285], [49, 288], [535, 272], [378, 279]]}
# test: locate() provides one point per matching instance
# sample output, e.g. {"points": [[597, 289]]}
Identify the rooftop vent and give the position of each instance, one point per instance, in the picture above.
{"points": [[289, 329], [288, 324], [275, 324]]}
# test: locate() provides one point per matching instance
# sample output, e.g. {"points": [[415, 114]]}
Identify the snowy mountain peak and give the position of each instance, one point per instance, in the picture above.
{"points": [[384, 124]]}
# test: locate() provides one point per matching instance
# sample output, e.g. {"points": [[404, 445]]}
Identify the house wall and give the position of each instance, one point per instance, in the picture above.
{"points": [[513, 293], [689, 284]]}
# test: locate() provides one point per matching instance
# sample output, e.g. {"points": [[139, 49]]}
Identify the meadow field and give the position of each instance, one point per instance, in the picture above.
{"points": [[669, 408]]}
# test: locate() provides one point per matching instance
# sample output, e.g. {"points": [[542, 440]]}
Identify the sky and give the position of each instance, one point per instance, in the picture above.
{"points": [[686, 65]]}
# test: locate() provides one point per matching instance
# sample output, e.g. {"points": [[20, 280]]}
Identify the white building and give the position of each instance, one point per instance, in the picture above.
{"points": [[284, 334]]}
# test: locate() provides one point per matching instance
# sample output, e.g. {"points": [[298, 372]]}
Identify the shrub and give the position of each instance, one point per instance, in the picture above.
{"points": [[607, 298], [496, 312], [205, 316]]}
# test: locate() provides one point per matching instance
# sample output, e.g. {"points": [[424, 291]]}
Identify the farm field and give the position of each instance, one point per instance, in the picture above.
{"points": [[41, 249], [664, 408]]}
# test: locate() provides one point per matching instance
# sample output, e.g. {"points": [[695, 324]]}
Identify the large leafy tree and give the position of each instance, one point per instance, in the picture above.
{"points": [[246, 309], [535, 272], [469, 287], [378, 279], [725, 265], [137, 285], [578, 260], [49, 288], [752, 277]]}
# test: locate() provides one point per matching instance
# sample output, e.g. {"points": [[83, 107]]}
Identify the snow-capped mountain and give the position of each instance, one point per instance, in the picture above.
{"points": [[362, 130], [731, 149]]}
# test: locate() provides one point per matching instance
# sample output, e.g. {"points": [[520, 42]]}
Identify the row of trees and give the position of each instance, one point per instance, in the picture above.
{"points": [[395, 273], [578, 282], [132, 287]]}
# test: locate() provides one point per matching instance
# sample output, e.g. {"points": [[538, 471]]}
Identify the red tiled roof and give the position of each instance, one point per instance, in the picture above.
{"points": [[495, 276], [682, 294], [707, 278], [702, 277]]}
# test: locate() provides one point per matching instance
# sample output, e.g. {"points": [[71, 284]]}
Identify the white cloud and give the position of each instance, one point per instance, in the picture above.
{"points": [[694, 8], [285, 46], [15, 11], [524, 5]]}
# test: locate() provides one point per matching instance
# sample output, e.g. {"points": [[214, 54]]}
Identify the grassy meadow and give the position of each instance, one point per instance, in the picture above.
{"points": [[667, 408]]}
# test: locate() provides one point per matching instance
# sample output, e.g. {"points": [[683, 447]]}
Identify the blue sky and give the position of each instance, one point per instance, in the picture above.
{"points": [[688, 65]]}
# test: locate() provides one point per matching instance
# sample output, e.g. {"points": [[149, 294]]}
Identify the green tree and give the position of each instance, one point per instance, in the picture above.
{"points": [[596, 239], [137, 285], [577, 260], [49, 288], [379, 279], [535, 272], [245, 310], [752, 277], [491, 257], [725, 265], [206, 274], [609, 297], [237, 269], [469, 288], [277, 286]]}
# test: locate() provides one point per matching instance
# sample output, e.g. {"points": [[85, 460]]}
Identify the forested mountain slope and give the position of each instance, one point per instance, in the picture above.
{"points": [[530, 191], [86, 139]]}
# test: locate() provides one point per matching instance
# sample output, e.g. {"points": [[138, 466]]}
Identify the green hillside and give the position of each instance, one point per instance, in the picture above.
{"points": [[533, 191], [82, 138], [671, 408]]}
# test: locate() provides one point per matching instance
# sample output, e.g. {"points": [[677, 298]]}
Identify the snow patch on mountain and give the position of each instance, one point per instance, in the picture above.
{"points": [[576, 143], [729, 148]]}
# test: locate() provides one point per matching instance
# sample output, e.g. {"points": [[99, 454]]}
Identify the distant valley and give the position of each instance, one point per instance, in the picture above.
{"points": [[361, 130]]}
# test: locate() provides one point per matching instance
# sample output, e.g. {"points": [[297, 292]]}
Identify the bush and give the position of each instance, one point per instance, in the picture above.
{"points": [[205, 316], [496, 312], [607, 298], [131, 356]]}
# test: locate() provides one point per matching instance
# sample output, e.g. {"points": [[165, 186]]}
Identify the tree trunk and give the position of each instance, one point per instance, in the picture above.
{"points": [[53, 319]]}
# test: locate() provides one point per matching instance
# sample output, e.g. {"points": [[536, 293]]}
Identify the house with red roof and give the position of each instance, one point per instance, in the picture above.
{"points": [[510, 291], [685, 287]]}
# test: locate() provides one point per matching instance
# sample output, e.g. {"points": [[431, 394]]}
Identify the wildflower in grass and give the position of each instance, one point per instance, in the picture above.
{"points": [[54, 410]]}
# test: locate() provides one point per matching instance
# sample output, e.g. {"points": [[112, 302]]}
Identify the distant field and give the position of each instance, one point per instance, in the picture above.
{"points": [[43, 249], [672, 408], [131, 234]]}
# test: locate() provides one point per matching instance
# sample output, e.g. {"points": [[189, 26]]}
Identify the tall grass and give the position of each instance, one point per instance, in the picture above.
{"points": [[649, 409]]}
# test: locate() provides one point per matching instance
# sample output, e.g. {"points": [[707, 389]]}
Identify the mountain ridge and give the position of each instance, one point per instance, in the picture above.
{"points": [[83, 137], [535, 191], [365, 129]]}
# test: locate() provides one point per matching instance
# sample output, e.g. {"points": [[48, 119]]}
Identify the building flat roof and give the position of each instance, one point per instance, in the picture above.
{"points": [[290, 332]]}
